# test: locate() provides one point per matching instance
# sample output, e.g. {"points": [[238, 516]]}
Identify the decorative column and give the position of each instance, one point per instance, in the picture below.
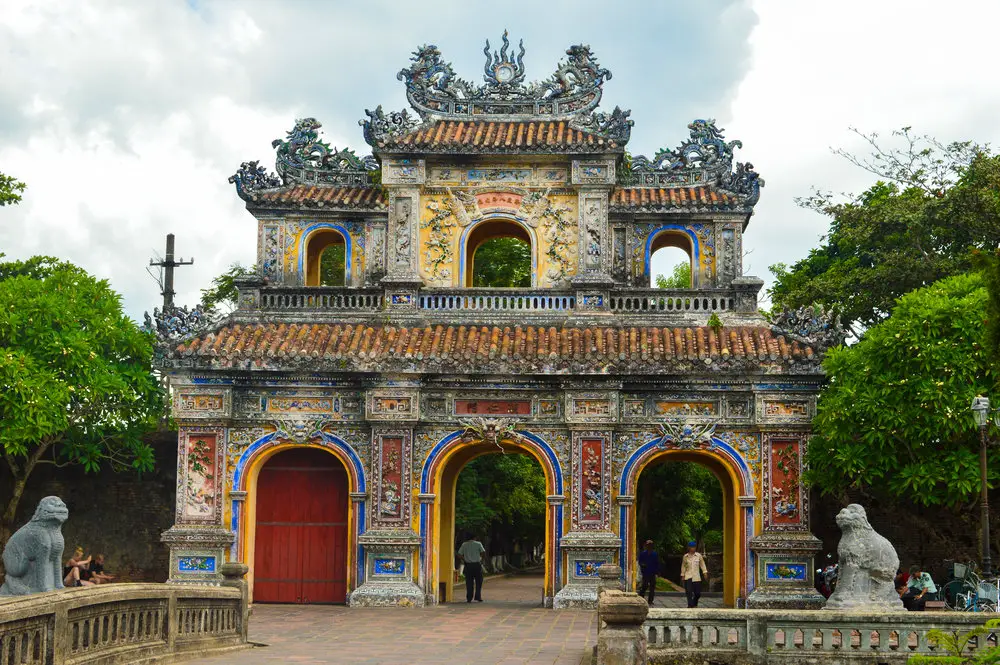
{"points": [[403, 177], [594, 179], [198, 539], [785, 550], [590, 543], [390, 545]]}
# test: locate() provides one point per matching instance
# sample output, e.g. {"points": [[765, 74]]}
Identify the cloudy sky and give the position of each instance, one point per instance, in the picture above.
{"points": [[126, 118]]}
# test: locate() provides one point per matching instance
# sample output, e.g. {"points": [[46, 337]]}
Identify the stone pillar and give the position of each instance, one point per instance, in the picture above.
{"points": [[622, 641], [594, 179], [403, 177], [590, 543], [390, 545], [198, 540], [234, 575]]}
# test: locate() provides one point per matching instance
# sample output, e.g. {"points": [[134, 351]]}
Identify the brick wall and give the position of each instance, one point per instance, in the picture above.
{"points": [[119, 514]]}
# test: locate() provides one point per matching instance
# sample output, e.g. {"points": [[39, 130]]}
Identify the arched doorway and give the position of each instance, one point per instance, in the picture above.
{"points": [[677, 503], [671, 261], [326, 258], [737, 525], [498, 253], [439, 478], [301, 544]]}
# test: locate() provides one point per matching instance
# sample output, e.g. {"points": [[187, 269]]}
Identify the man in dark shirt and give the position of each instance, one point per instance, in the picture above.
{"points": [[649, 566]]}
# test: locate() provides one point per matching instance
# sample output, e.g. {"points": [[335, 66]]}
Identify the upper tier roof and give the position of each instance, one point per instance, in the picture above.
{"points": [[498, 137]]}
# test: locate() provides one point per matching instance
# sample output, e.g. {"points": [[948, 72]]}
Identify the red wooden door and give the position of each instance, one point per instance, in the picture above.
{"points": [[300, 554]]}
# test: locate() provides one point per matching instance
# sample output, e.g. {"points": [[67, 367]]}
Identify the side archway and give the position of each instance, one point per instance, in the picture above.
{"points": [[316, 241], [438, 479], [244, 499], [735, 478], [673, 235], [492, 228]]}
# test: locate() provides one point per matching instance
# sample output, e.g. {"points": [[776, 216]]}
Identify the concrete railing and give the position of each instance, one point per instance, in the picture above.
{"points": [[125, 623], [779, 636]]}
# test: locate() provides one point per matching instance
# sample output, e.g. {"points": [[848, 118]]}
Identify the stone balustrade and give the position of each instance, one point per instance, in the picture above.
{"points": [[321, 298], [125, 623], [749, 637]]}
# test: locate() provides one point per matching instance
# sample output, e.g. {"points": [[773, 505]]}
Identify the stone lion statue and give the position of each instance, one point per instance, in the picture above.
{"points": [[33, 556], [868, 565]]}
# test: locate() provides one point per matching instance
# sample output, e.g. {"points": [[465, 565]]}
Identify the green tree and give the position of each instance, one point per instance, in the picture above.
{"points": [[894, 418], [10, 190], [501, 498], [502, 262], [677, 502], [76, 380], [989, 264], [223, 290], [933, 203], [680, 277], [331, 265]]}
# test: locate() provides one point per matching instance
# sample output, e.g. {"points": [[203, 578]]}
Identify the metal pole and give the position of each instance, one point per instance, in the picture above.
{"points": [[168, 274], [984, 505]]}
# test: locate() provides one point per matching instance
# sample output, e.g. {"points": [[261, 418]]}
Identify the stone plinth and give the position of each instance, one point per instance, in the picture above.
{"points": [[585, 552], [389, 565], [197, 553], [622, 640], [784, 571]]}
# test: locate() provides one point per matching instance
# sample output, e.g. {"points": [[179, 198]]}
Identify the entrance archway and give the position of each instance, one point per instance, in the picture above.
{"points": [[301, 543], [327, 257], [677, 242], [737, 519], [515, 245], [439, 479]]}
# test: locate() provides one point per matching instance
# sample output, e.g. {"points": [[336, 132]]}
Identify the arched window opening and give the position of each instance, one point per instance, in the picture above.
{"points": [[499, 256], [326, 258], [671, 262], [679, 502]]}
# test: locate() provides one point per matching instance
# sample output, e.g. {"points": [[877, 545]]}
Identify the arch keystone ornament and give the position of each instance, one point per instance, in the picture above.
{"points": [[406, 372]]}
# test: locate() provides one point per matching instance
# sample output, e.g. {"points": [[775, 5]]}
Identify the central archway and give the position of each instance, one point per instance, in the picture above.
{"points": [[439, 479], [481, 236]]}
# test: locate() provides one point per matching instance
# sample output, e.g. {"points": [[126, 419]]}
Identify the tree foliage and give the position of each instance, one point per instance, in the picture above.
{"points": [[502, 262], [933, 203], [501, 498], [76, 381], [223, 290], [680, 277], [332, 265], [677, 503], [10, 190], [895, 416]]}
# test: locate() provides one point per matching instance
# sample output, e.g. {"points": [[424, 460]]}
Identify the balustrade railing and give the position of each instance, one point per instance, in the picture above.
{"points": [[121, 623], [778, 636], [321, 298], [651, 301], [497, 301]]}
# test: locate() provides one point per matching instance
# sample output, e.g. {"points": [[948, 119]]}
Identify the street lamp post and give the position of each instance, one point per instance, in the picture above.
{"points": [[981, 412]]}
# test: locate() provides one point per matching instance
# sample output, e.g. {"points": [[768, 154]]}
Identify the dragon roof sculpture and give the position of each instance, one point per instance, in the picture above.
{"points": [[572, 92]]}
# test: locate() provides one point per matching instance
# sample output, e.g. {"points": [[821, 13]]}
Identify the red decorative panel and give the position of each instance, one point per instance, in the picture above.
{"points": [[390, 504], [201, 477], [468, 407], [300, 553], [591, 480], [785, 467], [499, 200]]}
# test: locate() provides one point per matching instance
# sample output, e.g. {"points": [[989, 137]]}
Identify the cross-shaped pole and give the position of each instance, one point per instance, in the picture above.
{"points": [[168, 264]]}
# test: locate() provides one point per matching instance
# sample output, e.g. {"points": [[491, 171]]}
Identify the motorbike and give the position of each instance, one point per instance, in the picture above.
{"points": [[826, 578]]}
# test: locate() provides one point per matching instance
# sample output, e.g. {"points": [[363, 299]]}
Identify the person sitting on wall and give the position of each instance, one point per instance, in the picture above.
{"points": [[902, 577], [919, 589], [649, 566], [97, 574], [77, 570]]}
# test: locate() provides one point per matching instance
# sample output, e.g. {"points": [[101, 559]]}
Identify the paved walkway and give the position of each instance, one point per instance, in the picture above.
{"points": [[510, 627]]}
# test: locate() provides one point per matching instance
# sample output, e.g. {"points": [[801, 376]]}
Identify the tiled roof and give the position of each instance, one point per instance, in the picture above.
{"points": [[348, 347], [323, 196], [654, 198], [491, 137]]}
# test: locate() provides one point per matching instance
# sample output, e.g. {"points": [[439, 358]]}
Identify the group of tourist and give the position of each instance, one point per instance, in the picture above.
{"points": [[915, 588], [693, 572], [79, 571]]}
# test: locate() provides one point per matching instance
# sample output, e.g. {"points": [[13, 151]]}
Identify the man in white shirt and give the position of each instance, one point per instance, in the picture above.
{"points": [[692, 570], [471, 553]]}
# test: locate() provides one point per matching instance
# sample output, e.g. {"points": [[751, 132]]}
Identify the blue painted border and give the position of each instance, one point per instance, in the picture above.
{"points": [[348, 248], [695, 247], [463, 246]]}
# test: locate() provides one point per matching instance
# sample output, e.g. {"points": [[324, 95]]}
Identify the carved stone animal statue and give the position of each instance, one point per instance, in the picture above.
{"points": [[868, 565], [33, 555]]}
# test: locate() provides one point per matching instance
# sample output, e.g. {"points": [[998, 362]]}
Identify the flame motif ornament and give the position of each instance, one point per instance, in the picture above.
{"points": [[812, 326], [490, 430], [684, 435]]}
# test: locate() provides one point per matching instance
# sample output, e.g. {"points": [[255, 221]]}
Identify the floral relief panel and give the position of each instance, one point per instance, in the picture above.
{"points": [[591, 472], [201, 476], [784, 468], [392, 458]]}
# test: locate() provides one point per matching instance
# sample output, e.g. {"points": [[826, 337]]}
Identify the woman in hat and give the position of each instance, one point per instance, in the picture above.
{"points": [[693, 569]]}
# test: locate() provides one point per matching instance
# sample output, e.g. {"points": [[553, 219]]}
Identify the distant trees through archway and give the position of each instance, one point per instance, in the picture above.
{"points": [[499, 255], [670, 261]]}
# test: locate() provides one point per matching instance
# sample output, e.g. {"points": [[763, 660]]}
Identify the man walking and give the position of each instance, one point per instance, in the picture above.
{"points": [[471, 552], [692, 569], [649, 566]]}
